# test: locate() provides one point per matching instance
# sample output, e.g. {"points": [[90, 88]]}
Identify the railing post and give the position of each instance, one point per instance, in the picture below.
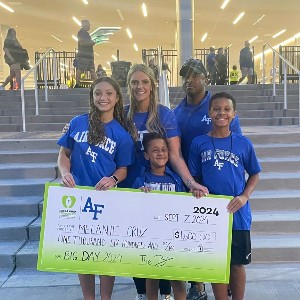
{"points": [[274, 74], [263, 65], [54, 69], [45, 78], [299, 96], [23, 104], [284, 86], [36, 95]]}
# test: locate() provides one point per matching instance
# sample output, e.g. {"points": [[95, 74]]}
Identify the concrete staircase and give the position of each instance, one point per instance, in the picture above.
{"points": [[28, 160]]}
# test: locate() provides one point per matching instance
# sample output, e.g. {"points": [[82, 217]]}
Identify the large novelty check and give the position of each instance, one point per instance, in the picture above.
{"points": [[126, 232]]}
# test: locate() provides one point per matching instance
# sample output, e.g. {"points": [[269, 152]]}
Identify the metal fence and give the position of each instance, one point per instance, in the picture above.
{"points": [[169, 57], [292, 54]]}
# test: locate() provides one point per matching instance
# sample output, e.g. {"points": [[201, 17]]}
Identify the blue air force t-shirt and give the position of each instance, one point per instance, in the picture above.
{"points": [[89, 163], [221, 164], [169, 124]]}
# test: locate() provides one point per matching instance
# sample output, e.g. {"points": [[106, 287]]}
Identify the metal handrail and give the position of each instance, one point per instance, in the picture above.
{"points": [[285, 63], [34, 69]]}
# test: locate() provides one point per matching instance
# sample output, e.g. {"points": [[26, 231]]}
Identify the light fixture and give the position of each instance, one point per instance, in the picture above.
{"points": [[56, 38], [253, 39], [129, 33], [96, 54], [108, 63], [278, 33], [224, 4], [85, 1], [120, 14], [290, 40], [259, 20], [7, 7], [114, 57], [239, 17], [229, 45], [76, 21], [204, 37], [144, 9], [135, 47], [75, 37]]}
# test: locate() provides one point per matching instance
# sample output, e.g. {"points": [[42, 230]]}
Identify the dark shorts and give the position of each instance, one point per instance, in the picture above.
{"points": [[85, 64], [241, 247]]}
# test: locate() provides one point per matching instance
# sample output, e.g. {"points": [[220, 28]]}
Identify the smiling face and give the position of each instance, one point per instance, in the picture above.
{"points": [[222, 112], [105, 97], [140, 85], [157, 153]]}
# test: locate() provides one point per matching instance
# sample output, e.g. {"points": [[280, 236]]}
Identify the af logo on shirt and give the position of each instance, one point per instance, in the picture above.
{"points": [[206, 119]]}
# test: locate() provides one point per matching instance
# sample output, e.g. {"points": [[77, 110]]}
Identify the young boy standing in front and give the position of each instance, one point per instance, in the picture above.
{"points": [[219, 160], [160, 178]]}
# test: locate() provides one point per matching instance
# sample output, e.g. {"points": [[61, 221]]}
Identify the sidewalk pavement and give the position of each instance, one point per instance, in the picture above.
{"points": [[264, 282]]}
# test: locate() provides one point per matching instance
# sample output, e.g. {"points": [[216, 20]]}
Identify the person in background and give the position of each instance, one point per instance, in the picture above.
{"points": [[100, 71], [246, 63], [194, 120], [13, 57], [234, 75], [225, 175], [211, 66], [221, 66], [159, 177], [95, 151], [85, 54]]}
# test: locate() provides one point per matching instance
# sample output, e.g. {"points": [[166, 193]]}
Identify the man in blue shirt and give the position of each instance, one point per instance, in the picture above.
{"points": [[192, 111]]}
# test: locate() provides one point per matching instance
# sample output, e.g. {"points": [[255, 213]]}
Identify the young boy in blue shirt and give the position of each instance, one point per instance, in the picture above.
{"points": [[219, 160], [159, 178]]}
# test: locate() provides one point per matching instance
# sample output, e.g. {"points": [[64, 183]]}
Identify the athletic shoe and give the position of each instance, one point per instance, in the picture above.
{"points": [[166, 297], [194, 294], [140, 297]]}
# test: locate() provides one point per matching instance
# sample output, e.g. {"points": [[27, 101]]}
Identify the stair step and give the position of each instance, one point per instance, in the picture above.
{"points": [[20, 206], [23, 187], [31, 170], [15, 228], [275, 248], [8, 250], [280, 200], [278, 181], [276, 222], [282, 164], [21, 143], [29, 156]]}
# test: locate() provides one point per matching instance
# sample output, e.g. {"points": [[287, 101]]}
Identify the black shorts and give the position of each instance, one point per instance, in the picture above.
{"points": [[241, 247], [85, 64]]}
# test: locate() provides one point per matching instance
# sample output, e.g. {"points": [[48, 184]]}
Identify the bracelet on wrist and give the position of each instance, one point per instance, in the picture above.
{"points": [[115, 179]]}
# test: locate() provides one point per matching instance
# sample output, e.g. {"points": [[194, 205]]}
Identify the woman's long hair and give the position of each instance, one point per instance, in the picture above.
{"points": [[96, 134], [153, 123]]}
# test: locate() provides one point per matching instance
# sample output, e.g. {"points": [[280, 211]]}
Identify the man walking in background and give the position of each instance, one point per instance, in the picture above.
{"points": [[246, 63], [85, 54]]}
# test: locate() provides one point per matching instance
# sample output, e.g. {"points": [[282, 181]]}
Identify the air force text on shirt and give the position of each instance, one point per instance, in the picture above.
{"points": [[109, 145], [220, 155]]}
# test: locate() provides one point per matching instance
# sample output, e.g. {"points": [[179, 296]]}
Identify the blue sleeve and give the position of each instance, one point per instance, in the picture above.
{"points": [[195, 159], [125, 152], [168, 121], [138, 183], [235, 125]]}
